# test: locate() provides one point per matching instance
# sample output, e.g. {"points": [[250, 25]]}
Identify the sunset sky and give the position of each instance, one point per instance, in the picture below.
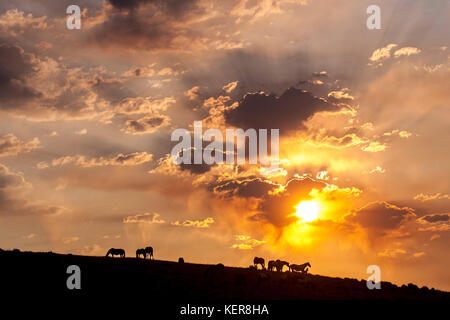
{"points": [[86, 118]]}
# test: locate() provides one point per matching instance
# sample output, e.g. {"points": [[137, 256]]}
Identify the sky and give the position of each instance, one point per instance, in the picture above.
{"points": [[86, 117]]}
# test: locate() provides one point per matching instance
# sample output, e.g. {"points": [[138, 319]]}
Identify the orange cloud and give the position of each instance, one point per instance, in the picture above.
{"points": [[205, 223], [147, 217]]}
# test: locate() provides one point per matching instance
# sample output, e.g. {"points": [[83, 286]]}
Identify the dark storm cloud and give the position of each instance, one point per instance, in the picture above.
{"points": [[172, 7], [196, 168], [244, 187], [127, 4], [380, 216], [286, 112], [436, 217], [16, 66], [147, 124], [22, 73], [144, 25]]}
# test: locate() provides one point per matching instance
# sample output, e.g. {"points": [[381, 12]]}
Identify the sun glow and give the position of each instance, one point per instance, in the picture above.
{"points": [[307, 211]]}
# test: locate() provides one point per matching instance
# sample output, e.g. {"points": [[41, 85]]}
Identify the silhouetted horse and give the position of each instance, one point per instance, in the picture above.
{"points": [[149, 251], [260, 261], [116, 252], [141, 252], [180, 260], [271, 265], [300, 268], [279, 264]]}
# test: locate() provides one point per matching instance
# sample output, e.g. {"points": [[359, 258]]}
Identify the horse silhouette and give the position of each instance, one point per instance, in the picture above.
{"points": [[300, 268], [180, 260], [141, 252], [260, 261], [149, 251], [271, 265], [279, 264], [116, 252]]}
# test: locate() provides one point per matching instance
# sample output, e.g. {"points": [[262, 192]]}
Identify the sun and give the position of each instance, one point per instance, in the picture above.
{"points": [[307, 211]]}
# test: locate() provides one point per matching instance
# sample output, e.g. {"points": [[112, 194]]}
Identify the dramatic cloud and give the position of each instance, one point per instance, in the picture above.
{"points": [[13, 22], [230, 87], [16, 67], [43, 88], [193, 93], [374, 146], [428, 197], [244, 187], [434, 223], [381, 54], [147, 217], [286, 112], [130, 159], [145, 25], [341, 95], [246, 243], [392, 253], [278, 207], [11, 145], [205, 223], [435, 217], [406, 51], [381, 217], [147, 124], [141, 105], [358, 127]]}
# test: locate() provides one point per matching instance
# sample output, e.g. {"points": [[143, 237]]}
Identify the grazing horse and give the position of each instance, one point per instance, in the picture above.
{"points": [[149, 251], [279, 264], [300, 268], [260, 261], [116, 252], [139, 252], [271, 265]]}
